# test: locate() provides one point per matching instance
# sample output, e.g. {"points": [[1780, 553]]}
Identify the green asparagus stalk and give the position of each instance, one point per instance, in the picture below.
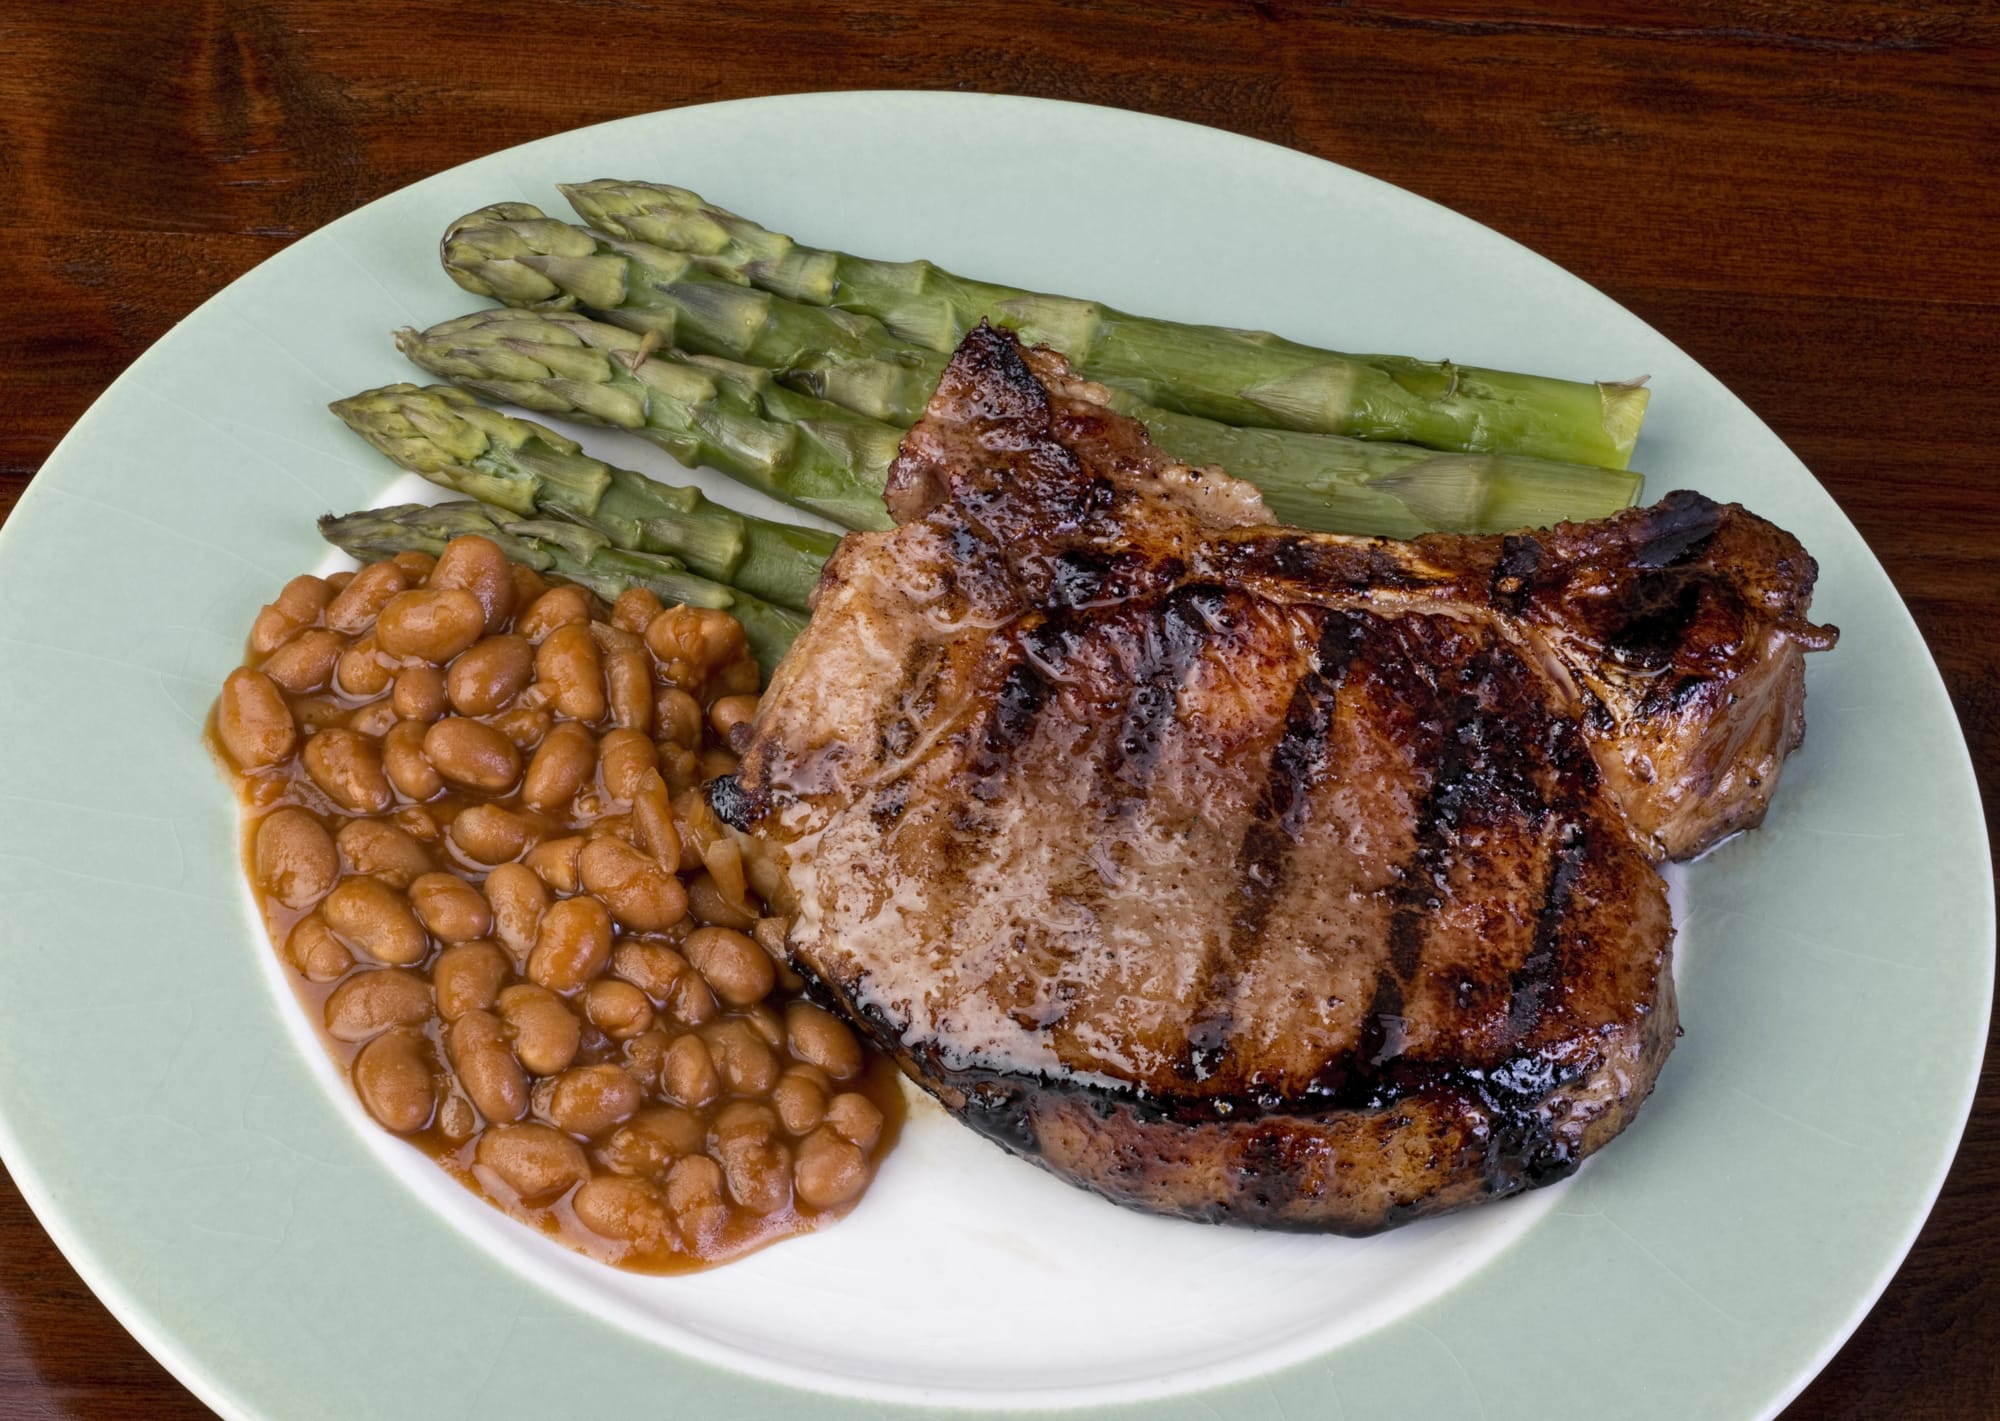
{"points": [[1238, 377], [511, 252], [734, 418], [1320, 481], [566, 551], [531, 471]]}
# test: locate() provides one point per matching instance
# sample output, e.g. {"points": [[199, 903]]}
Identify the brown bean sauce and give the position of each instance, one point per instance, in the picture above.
{"points": [[634, 1109]]}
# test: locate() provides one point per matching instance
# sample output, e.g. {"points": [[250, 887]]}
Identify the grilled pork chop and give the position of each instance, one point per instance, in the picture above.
{"points": [[1247, 874]]}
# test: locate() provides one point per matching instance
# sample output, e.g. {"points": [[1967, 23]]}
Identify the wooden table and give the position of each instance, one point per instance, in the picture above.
{"points": [[1802, 197]]}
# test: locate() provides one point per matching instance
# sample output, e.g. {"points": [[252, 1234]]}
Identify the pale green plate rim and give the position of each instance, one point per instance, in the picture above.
{"points": [[1704, 1266]]}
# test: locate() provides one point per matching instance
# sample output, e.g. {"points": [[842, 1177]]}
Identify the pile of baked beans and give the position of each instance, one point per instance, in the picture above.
{"points": [[475, 823]]}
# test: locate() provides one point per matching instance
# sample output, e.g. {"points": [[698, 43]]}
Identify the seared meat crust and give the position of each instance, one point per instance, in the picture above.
{"points": [[1249, 874]]}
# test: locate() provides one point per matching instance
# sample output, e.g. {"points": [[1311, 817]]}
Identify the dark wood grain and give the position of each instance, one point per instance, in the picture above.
{"points": [[1800, 195]]}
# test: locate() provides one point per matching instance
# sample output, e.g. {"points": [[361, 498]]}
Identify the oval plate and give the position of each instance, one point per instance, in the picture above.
{"points": [[193, 1163]]}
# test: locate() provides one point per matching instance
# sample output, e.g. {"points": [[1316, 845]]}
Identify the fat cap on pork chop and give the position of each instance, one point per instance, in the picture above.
{"points": [[1248, 874]]}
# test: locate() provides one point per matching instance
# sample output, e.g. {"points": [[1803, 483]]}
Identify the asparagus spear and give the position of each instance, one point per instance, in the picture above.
{"points": [[513, 253], [564, 550], [1321, 481], [1239, 377], [702, 411], [530, 470]]}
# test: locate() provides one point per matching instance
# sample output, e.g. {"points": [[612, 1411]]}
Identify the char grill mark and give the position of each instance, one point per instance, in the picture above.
{"points": [[1251, 875], [1298, 762], [1540, 975], [1022, 694], [1169, 646]]}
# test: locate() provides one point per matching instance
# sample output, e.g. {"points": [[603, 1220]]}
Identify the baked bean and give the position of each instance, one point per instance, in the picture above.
{"points": [[681, 769], [708, 904], [627, 757], [430, 623], [856, 1117], [348, 768], [755, 1163], [403, 761], [370, 1002], [418, 823], [528, 584], [641, 895], [653, 831], [367, 913], [567, 661], [306, 662], [558, 607], [269, 632], [537, 1163], [416, 562], [592, 1100], [677, 718], [634, 610], [299, 605], [355, 607], [315, 951], [770, 934], [338, 580], [716, 762], [472, 755], [645, 1056], [488, 834], [467, 976], [689, 1075], [374, 720], [692, 1001], [820, 1039], [652, 1140], [393, 1076], [518, 899], [829, 1171], [295, 860], [738, 678], [490, 675], [723, 857], [526, 726], [618, 1009], [799, 1101], [545, 1033], [560, 767], [486, 1067], [691, 642], [253, 722], [382, 850], [572, 946], [747, 1066], [477, 565], [457, 1121], [763, 1019], [694, 1193], [450, 909], [652, 967], [628, 683], [554, 862], [733, 965], [419, 693], [362, 669], [317, 713], [728, 712], [629, 1210]]}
